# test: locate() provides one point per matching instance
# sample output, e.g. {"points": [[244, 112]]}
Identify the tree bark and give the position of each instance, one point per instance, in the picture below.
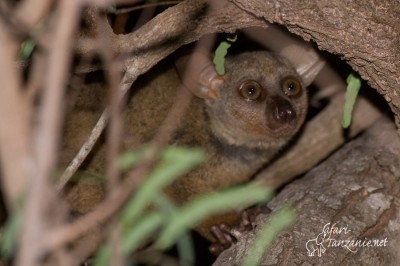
{"points": [[364, 33], [358, 189]]}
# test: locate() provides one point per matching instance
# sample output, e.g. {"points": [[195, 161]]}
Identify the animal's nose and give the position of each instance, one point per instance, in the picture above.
{"points": [[284, 112], [280, 112]]}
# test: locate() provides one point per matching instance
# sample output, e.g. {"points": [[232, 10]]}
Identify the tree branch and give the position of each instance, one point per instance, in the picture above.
{"points": [[364, 33]]}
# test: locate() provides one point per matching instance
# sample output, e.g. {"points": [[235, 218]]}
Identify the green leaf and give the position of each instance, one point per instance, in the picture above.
{"points": [[353, 87], [185, 249], [221, 52], [9, 234], [274, 226], [184, 244], [138, 232], [131, 158], [27, 47], [102, 257], [132, 237], [174, 161], [219, 57], [206, 205]]}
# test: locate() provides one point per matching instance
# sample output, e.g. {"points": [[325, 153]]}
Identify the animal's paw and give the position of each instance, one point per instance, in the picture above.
{"points": [[227, 235]]}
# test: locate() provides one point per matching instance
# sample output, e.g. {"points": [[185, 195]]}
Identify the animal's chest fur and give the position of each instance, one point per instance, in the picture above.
{"points": [[226, 165]]}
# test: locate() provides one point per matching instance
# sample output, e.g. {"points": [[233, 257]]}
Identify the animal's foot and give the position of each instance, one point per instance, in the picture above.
{"points": [[227, 235]]}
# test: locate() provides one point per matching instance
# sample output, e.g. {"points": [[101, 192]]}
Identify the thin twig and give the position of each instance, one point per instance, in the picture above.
{"points": [[123, 190], [103, 212], [115, 131], [151, 35], [35, 78], [15, 153], [30, 12], [47, 136], [84, 151], [144, 6]]}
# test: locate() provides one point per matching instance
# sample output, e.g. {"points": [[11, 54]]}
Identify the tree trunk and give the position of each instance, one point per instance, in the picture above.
{"points": [[364, 33], [356, 190]]}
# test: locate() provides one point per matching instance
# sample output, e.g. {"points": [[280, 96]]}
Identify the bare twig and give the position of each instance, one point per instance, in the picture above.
{"points": [[144, 6], [47, 135], [182, 24], [115, 130], [105, 210], [15, 153], [115, 240], [84, 151], [86, 246], [176, 21], [30, 12], [35, 78], [113, 78], [122, 191]]}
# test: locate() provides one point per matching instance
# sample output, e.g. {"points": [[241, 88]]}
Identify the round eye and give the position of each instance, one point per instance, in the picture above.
{"points": [[250, 90], [291, 87]]}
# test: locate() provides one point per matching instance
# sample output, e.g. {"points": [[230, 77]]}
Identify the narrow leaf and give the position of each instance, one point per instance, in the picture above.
{"points": [[140, 231], [175, 161], [219, 57], [185, 249], [27, 47], [131, 158], [274, 226], [353, 87], [9, 234], [184, 244], [102, 257], [206, 205]]}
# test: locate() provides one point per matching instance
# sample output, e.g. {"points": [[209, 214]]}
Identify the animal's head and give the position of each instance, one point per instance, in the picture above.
{"points": [[260, 101]]}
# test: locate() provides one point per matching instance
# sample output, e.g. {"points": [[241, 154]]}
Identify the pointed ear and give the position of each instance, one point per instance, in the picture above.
{"points": [[307, 62], [301, 54], [310, 71], [197, 73]]}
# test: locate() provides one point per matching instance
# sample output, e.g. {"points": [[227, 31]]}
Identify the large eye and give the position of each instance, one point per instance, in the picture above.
{"points": [[291, 87], [250, 90]]}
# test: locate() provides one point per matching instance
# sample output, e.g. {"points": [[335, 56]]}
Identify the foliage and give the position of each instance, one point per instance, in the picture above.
{"points": [[27, 48], [9, 234], [149, 211], [221, 52], [353, 86], [276, 224]]}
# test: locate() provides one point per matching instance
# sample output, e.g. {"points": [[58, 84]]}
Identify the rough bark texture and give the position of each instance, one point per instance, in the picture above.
{"points": [[364, 33], [361, 191], [357, 188], [177, 26]]}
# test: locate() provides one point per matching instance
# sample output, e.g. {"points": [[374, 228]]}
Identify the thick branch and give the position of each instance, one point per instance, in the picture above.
{"points": [[183, 24], [356, 188], [15, 154], [364, 33]]}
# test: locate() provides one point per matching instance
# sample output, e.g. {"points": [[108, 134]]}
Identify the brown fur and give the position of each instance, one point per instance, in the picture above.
{"points": [[239, 136]]}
